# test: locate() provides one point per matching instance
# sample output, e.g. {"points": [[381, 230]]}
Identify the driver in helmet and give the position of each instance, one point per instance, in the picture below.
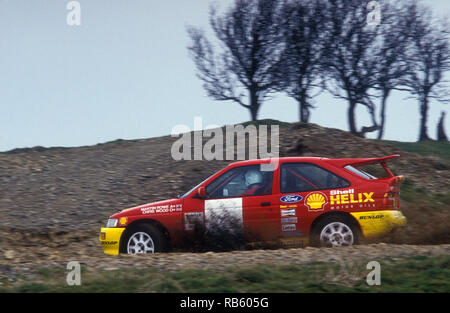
{"points": [[254, 182]]}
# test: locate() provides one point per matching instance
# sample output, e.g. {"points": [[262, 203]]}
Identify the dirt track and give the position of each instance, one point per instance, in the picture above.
{"points": [[344, 256], [222, 261]]}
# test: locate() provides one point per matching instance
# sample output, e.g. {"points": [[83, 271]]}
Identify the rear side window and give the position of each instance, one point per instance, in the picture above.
{"points": [[298, 177], [359, 172]]}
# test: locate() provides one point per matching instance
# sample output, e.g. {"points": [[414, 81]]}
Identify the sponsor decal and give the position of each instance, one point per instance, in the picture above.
{"points": [[292, 234], [289, 220], [289, 212], [168, 208], [341, 199], [191, 219], [292, 241], [341, 192], [371, 217], [315, 201], [288, 206], [289, 227], [291, 198], [108, 243]]}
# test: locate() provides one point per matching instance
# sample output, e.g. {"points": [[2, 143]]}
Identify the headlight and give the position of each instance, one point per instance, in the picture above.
{"points": [[112, 222]]}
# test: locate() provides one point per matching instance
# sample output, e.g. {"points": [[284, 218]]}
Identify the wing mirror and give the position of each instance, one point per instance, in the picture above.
{"points": [[201, 191]]}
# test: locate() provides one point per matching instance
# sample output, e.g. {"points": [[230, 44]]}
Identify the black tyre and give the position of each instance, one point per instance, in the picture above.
{"points": [[143, 238], [335, 231]]}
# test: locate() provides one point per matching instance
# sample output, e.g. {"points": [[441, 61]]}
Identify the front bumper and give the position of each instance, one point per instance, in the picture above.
{"points": [[378, 223], [110, 239]]}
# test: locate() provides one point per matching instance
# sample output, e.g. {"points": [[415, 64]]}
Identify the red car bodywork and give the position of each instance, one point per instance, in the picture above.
{"points": [[366, 201]]}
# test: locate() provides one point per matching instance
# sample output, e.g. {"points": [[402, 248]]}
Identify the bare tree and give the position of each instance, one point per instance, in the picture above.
{"points": [[305, 36], [441, 136], [391, 62], [249, 57], [349, 62], [429, 60]]}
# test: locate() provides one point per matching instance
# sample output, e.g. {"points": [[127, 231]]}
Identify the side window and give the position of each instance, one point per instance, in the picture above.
{"points": [[244, 181], [298, 177]]}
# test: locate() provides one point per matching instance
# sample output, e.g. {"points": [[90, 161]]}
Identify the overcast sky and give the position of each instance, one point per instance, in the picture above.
{"points": [[125, 73]]}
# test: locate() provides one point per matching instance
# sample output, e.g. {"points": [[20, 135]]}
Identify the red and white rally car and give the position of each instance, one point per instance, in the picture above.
{"points": [[320, 201]]}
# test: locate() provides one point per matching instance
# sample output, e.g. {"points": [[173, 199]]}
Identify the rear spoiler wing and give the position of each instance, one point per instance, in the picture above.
{"points": [[365, 161]]}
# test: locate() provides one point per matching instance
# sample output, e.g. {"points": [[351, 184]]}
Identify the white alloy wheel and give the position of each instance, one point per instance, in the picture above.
{"points": [[140, 242], [336, 234]]}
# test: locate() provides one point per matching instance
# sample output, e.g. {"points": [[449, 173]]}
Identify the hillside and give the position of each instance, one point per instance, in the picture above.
{"points": [[53, 190]]}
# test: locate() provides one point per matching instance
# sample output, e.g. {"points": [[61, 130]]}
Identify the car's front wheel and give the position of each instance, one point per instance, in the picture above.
{"points": [[335, 231], [143, 238]]}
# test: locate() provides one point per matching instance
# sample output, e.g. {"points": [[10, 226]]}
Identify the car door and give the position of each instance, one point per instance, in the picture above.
{"points": [[261, 215], [234, 203]]}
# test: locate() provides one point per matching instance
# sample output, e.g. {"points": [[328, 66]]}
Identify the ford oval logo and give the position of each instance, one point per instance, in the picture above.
{"points": [[291, 198]]}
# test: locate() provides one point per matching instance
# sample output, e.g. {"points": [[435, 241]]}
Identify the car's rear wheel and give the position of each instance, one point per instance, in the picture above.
{"points": [[335, 231], [144, 238]]}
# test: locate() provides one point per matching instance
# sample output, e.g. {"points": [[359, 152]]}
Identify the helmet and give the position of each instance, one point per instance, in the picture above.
{"points": [[253, 177]]}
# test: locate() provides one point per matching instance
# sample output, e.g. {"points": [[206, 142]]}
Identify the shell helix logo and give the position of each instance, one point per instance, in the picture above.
{"points": [[316, 201]]}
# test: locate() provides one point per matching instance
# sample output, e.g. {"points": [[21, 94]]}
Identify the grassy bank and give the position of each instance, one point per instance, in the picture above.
{"points": [[416, 274], [426, 148]]}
